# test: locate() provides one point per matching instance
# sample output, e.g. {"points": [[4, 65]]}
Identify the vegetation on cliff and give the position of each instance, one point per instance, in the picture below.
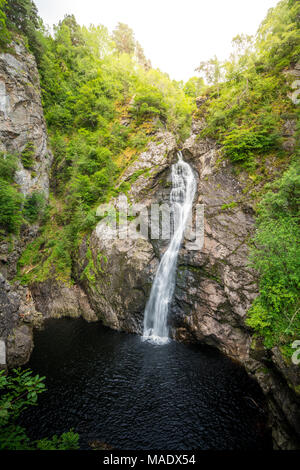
{"points": [[250, 111], [15, 209], [276, 256], [249, 100]]}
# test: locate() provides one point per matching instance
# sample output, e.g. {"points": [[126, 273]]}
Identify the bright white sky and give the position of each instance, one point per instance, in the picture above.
{"points": [[176, 35]]}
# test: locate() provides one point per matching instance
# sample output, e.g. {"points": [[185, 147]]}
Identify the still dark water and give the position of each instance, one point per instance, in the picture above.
{"points": [[114, 388]]}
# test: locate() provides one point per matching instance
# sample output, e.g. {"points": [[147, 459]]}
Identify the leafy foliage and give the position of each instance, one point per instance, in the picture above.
{"points": [[18, 391], [149, 103], [123, 36], [276, 256], [5, 36], [16, 210], [22, 17], [8, 167], [67, 441], [249, 97], [212, 71], [27, 155], [10, 207], [194, 87], [10, 198], [34, 206]]}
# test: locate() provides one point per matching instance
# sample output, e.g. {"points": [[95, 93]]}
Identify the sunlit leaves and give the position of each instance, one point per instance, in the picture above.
{"points": [[276, 256]]}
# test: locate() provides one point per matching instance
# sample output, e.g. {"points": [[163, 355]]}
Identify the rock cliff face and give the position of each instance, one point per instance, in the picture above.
{"points": [[21, 117], [21, 124], [214, 287], [123, 269]]}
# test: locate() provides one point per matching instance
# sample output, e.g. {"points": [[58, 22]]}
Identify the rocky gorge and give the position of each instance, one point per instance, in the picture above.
{"points": [[214, 288]]}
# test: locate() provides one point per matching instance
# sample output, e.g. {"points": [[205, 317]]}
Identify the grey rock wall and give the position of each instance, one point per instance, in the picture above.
{"points": [[21, 122], [22, 118]]}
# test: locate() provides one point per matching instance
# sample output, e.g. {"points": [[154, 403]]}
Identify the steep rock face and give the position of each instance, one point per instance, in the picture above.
{"points": [[21, 117], [56, 299], [215, 286], [21, 124], [122, 270], [18, 315]]}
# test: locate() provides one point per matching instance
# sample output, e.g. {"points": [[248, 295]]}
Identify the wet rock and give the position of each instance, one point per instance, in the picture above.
{"points": [[22, 119], [123, 278], [2, 354], [55, 299], [19, 346], [9, 307], [21, 123]]}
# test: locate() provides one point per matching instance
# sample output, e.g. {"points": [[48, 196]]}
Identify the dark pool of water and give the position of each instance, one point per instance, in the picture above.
{"points": [[114, 388]]}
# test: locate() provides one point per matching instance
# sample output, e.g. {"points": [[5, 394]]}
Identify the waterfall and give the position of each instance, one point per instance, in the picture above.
{"points": [[181, 198]]}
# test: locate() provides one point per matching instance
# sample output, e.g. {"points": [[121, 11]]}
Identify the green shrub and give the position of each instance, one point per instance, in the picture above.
{"points": [[27, 156], [8, 167], [34, 206], [276, 256], [19, 390], [194, 87], [67, 441], [138, 141], [10, 207], [5, 36], [242, 144], [59, 116], [149, 103]]}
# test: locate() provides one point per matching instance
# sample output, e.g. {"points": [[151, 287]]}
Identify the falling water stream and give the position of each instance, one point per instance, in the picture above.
{"points": [[181, 198]]}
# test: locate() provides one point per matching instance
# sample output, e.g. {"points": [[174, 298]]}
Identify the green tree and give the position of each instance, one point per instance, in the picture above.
{"points": [[22, 16], [194, 86], [75, 33], [149, 102], [98, 40], [140, 56], [212, 71], [34, 206], [123, 36], [278, 38], [10, 207], [5, 36]]}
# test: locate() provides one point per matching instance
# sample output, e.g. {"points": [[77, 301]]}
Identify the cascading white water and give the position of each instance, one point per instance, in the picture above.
{"points": [[181, 198]]}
